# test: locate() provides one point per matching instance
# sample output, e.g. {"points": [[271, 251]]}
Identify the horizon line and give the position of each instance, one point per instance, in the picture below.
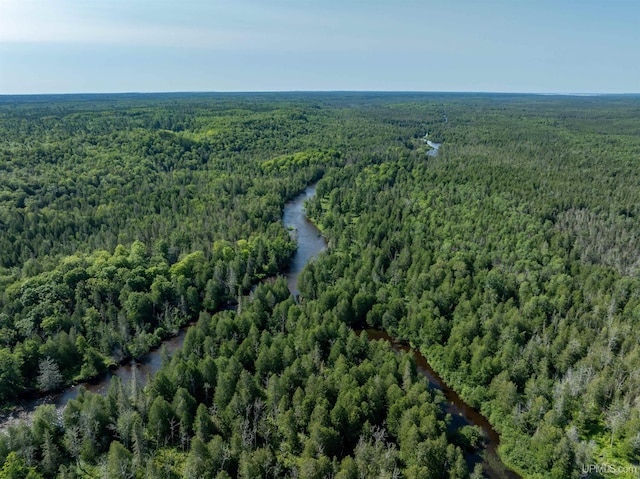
{"points": [[224, 92]]}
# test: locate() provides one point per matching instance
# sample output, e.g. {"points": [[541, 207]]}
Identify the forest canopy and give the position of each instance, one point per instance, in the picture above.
{"points": [[510, 260]]}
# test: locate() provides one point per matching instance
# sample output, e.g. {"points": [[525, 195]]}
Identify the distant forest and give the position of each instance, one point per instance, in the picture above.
{"points": [[510, 260]]}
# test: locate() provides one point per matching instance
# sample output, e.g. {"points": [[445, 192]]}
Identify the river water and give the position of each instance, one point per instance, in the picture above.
{"points": [[310, 244], [310, 241], [141, 370], [461, 413], [435, 147]]}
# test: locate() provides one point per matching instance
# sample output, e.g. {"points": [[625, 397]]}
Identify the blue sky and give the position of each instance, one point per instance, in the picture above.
{"points": [[541, 46]]}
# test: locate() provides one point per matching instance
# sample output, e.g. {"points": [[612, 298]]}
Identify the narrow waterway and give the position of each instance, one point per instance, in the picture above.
{"points": [[310, 244], [435, 147], [310, 241], [141, 370], [461, 413]]}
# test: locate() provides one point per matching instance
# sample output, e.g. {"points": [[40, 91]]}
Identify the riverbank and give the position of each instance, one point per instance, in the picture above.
{"points": [[311, 242], [462, 414]]}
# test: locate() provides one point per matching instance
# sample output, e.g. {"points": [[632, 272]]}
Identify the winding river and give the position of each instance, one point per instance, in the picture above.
{"points": [[435, 147], [310, 241], [141, 370], [310, 244]]}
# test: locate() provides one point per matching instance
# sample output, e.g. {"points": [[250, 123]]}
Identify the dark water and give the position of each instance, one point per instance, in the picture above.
{"points": [[310, 244], [141, 370], [461, 413]]}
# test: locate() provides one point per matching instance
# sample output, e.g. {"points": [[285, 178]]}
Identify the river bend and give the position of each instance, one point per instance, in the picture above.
{"points": [[310, 244]]}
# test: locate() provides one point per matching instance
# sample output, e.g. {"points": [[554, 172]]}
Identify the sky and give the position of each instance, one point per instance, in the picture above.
{"points": [[534, 46]]}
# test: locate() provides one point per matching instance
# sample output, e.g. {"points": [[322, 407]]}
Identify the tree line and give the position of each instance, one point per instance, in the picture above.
{"points": [[509, 260]]}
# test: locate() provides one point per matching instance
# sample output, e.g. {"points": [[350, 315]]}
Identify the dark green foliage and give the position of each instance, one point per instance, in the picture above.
{"points": [[510, 260], [363, 404]]}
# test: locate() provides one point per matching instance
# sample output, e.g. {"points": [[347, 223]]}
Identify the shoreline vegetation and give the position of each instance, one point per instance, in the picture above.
{"points": [[493, 465], [482, 454], [123, 218]]}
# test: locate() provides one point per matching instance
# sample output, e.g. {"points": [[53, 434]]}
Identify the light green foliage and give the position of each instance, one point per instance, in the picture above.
{"points": [[515, 251], [15, 468], [510, 260]]}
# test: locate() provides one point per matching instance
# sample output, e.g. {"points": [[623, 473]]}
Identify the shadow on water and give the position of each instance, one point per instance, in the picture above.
{"points": [[141, 369], [461, 413], [310, 244]]}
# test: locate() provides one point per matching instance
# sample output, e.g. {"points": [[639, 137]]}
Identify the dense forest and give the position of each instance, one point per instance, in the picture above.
{"points": [[510, 260]]}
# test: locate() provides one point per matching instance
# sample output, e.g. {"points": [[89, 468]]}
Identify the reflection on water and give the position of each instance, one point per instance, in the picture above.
{"points": [[461, 413], [141, 370], [435, 146], [310, 244], [310, 241]]}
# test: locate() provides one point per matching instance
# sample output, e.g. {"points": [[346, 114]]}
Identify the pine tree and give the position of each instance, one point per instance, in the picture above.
{"points": [[49, 377]]}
